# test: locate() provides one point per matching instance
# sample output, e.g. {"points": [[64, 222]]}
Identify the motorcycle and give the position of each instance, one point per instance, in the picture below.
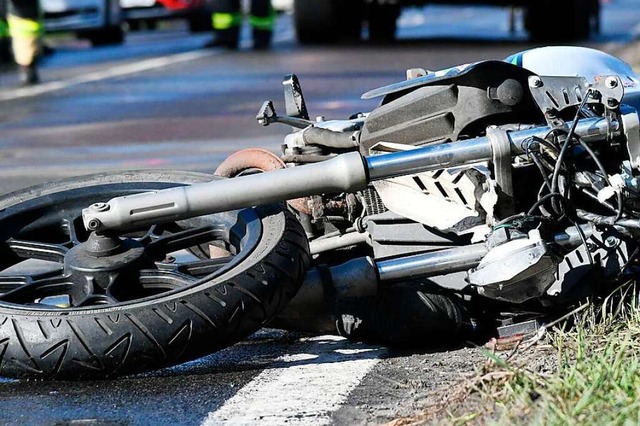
{"points": [[486, 196]]}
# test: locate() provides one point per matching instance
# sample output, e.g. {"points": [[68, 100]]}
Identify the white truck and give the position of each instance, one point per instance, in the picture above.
{"points": [[99, 21]]}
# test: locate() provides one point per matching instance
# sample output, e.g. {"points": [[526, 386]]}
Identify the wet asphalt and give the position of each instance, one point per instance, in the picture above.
{"points": [[190, 115]]}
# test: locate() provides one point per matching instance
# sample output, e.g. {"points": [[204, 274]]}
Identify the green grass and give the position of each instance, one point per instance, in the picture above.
{"points": [[588, 374], [595, 380]]}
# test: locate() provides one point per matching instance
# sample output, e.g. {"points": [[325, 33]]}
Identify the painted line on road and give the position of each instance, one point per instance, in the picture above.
{"points": [[304, 388], [117, 71], [122, 70]]}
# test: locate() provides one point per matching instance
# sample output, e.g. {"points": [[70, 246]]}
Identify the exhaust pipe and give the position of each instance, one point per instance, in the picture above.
{"points": [[312, 309]]}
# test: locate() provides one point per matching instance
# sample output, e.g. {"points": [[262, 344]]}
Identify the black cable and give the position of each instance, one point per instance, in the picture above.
{"points": [[543, 199], [584, 241], [537, 161], [543, 173], [544, 211], [529, 141], [546, 142], [635, 253], [598, 219], [594, 197], [547, 165], [538, 164], [565, 145], [509, 219], [596, 160]]}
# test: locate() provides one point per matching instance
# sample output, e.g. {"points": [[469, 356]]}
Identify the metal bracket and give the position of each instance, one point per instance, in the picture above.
{"points": [[267, 115], [501, 148], [608, 249], [557, 93], [631, 127], [293, 98]]}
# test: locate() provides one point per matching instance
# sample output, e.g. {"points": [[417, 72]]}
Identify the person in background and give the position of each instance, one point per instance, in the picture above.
{"points": [[5, 38], [24, 28], [227, 19]]}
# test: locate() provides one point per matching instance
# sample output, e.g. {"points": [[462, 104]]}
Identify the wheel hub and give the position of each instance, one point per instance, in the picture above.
{"points": [[99, 261]]}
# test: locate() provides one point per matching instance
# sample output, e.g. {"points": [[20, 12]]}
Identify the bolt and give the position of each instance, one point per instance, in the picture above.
{"points": [[100, 207], [614, 125], [611, 242], [93, 224], [611, 82], [535, 82], [612, 103]]}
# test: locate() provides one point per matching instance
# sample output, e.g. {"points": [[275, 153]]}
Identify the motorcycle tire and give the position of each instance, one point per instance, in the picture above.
{"points": [[402, 316], [153, 318]]}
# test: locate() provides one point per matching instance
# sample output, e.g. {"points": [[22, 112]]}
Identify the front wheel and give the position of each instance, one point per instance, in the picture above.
{"points": [[75, 305]]}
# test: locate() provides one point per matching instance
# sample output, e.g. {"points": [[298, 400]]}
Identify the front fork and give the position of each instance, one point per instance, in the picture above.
{"points": [[348, 172]]}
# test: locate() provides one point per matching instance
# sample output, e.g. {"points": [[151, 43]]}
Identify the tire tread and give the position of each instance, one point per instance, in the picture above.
{"points": [[160, 333]]}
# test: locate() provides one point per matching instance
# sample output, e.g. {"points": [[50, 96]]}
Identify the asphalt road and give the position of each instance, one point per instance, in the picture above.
{"points": [[161, 101]]}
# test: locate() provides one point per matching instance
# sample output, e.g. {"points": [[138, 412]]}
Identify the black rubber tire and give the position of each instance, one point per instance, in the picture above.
{"points": [[107, 36], [565, 21], [102, 341], [383, 22], [327, 21], [403, 315]]}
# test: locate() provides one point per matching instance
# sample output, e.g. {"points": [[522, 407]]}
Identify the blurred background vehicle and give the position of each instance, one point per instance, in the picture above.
{"points": [[282, 6], [327, 21], [99, 21], [149, 12]]}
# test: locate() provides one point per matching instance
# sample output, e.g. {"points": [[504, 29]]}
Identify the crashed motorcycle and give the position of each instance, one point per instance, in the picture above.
{"points": [[485, 196]]}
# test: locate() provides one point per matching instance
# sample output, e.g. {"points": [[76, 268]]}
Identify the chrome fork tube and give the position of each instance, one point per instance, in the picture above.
{"points": [[345, 173], [442, 156]]}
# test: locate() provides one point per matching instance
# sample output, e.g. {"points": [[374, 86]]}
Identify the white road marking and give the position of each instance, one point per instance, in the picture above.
{"points": [[301, 388], [117, 71], [133, 68]]}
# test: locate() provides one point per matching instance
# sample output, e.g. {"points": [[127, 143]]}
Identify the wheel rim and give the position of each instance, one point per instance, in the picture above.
{"points": [[41, 241]]}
